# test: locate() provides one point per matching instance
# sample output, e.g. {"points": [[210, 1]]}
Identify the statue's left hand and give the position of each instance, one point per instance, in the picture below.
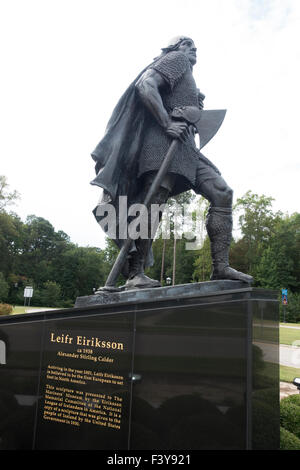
{"points": [[178, 130]]}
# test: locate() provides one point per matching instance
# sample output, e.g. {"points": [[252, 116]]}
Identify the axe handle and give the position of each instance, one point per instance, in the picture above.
{"points": [[122, 256]]}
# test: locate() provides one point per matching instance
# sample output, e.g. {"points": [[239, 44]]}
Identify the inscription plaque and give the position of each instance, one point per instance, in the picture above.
{"points": [[85, 384]]}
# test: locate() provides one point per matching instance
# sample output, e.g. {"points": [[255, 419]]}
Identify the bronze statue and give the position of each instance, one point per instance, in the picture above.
{"points": [[158, 115]]}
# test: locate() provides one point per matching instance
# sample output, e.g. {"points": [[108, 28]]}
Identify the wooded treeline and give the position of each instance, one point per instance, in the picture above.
{"points": [[266, 244]]}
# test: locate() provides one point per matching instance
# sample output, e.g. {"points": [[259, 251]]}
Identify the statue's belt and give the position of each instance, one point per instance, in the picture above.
{"points": [[206, 122]]}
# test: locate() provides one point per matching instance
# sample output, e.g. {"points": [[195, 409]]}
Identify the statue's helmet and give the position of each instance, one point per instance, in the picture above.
{"points": [[174, 43]]}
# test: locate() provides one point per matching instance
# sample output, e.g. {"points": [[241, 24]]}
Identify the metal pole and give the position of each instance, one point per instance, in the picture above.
{"points": [[163, 261], [174, 259]]}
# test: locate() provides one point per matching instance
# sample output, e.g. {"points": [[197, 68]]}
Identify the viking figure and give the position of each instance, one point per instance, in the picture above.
{"points": [[138, 136]]}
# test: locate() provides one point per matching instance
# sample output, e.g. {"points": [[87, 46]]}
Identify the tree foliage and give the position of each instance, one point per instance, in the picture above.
{"points": [[6, 197], [257, 223], [4, 288], [202, 264], [33, 253]]}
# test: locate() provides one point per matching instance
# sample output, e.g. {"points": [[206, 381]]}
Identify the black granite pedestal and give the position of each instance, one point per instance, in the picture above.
{"points": [[181, 368]]}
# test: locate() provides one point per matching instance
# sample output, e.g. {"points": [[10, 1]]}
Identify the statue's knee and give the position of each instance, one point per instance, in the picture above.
{"points": [[223, 197]]}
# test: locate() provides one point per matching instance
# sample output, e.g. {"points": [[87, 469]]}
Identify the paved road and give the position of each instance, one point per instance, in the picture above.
{"points": [[287, 389], [292, 327], [288, 355]]}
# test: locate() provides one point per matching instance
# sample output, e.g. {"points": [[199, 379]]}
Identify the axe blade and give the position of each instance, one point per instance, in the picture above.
{"points": [[209, 124]]}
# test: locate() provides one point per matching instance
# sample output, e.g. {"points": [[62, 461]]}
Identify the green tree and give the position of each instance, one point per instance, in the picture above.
{"points": [[238, 255], [275, 268], [292, 309], [203, 263], [293, 223], [32, 252], [11, 240], [257, 223], [79, 270], [162, 253], [41, 250], [279, 263], [174, 253], [6, 198], [4, 288], [185, 260], [51, 294]]}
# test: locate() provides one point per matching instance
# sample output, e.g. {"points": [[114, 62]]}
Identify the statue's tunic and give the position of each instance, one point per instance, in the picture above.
{"points": [[181, 90]]}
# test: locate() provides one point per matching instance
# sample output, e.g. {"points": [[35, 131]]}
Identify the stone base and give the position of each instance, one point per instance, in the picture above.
{"points": [[181, 367], [159, 293]]}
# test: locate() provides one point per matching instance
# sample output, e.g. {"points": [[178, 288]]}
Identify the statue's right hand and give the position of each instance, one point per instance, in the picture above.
{"points": [[178, 130]]}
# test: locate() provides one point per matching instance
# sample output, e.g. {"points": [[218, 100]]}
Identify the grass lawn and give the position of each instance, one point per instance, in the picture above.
{"points": [[22, 309], [287, 374], [288, 335]]}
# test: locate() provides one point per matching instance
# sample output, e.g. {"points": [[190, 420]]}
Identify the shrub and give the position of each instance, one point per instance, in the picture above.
{"points": [[295, 399], [290, 416], [51, 294], [5, 309], [288, 440], [69, 303]]}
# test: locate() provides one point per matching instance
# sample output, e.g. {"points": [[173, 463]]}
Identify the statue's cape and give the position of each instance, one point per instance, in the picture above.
{"points": [[116, 155]]}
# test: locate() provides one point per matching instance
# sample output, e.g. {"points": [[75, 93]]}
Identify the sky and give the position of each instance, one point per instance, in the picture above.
{"points": [[65, 63]]}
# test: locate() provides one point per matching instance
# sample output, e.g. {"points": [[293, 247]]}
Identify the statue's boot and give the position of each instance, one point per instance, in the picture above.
{"points": [[137, 279], [219, 229]]}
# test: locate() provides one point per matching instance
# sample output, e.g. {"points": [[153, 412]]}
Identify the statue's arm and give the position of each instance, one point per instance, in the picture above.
{"points": [[148, 88]]}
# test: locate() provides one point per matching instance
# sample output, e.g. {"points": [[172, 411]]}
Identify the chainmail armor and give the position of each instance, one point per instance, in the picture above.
{"points": [[219, 229], [182, 91], [172, 66]]}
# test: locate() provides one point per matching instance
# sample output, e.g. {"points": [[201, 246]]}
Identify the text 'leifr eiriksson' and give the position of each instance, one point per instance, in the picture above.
{"points": [[84, 341]]}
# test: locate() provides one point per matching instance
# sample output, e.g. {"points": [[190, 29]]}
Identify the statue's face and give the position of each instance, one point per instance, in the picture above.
{"points": [[187, 46]]}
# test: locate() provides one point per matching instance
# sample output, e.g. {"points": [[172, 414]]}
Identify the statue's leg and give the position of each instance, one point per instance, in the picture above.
{"points": [[219, 227], [137, 258]]}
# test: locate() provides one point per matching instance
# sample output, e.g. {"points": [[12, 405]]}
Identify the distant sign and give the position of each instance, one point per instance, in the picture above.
{"points": [[284, 296], [28, 291]]}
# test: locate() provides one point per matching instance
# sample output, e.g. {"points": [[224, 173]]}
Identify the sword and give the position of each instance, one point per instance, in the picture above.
{"points": [[207, 123]]}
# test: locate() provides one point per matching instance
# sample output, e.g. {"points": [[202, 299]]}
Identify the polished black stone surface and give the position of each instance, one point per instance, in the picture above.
{"points": [[188, 372], [159, 293]]}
